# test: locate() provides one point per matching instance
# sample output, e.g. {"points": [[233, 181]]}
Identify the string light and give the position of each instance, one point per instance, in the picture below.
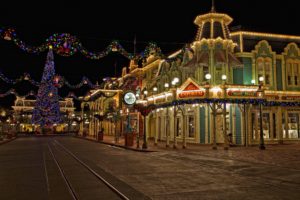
{"points": [[65, 44]]}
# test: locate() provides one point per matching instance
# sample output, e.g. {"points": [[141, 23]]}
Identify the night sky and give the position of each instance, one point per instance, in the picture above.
{"points": [[167, 23]]}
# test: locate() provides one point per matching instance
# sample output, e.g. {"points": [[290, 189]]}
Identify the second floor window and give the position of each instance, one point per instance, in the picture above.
{"points": [[292, 72], [264, 69]]}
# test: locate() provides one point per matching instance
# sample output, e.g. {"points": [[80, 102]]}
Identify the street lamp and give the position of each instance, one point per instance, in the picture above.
{"points": [[253, 81], [174, 83], [260, 94], [145, 146], [207, 77], [224, 77], [167, 120]]}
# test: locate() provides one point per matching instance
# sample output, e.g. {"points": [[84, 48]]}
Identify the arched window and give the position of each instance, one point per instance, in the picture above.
{"points": [[292, 72], [264, 69]]}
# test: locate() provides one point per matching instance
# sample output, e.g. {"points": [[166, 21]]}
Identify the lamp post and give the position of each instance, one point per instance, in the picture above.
{"points": [[145, 146], [261, 141], [154, 92], [226, 146], [167, 121], [2, 120], [174, 83], [213, 108]]}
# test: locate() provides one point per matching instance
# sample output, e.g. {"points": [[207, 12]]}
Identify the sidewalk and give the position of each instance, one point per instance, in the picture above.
{"points": [[5, 140], [279, 155], [110, 140]]}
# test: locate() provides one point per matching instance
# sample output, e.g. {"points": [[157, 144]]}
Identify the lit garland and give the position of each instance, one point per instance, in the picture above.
{"points": [[33, 94], [58, 81], [65, 44], [208, 101]]}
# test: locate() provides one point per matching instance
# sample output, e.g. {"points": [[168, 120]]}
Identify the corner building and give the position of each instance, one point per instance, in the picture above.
{"points": [[226, 82]]}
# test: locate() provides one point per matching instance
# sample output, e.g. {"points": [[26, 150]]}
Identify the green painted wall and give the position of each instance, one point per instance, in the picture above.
{"points": [[237, 76], [279, 74], [202, 125], [208, 118], [247, 72], [238, 126]]}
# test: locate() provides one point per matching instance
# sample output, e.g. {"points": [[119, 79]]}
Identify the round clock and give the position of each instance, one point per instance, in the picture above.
{"points": [[129, 98]]}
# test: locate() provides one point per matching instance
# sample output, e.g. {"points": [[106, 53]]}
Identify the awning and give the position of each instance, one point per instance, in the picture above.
{"points": [[234, 61], [203, 58], [200, 58], [220, 57]]}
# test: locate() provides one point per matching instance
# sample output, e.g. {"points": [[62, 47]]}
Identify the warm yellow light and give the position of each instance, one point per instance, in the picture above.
{"points": [[224, 77], [261, 79], [208, 76], [50, 46]]}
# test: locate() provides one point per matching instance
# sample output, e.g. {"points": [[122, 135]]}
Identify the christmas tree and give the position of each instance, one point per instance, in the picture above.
{"points": [[46, 111]]}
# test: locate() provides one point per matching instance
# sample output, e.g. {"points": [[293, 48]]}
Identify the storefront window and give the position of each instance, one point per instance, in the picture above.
{"points": [[266, 125], [191, 125], [178, 126], [293, 125], [253, 126]]}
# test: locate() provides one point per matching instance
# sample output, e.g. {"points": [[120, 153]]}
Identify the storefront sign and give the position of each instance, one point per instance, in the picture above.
{"points": [[272, 97], [290, 98], [241, 93], [192, 94]]}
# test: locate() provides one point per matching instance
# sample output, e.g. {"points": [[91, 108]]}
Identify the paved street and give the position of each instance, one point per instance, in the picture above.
{"points": [[28, 171]]}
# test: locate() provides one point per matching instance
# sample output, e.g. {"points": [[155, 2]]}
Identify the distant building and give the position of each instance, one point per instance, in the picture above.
{"points": [[23, 108]]}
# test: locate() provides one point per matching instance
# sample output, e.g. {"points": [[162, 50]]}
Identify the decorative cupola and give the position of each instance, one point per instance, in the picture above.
{"points": [[213, 25]]}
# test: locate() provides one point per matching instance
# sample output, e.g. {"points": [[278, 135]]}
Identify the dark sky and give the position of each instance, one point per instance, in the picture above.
{"points": [[168, 23]]}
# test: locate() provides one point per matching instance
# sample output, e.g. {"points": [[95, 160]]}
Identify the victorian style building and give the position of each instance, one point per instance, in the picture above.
{"points": [[23, 108], [225, 87]]}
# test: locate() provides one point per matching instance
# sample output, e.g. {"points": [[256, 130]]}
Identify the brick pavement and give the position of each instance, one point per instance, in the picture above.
{"points": [[285, 155]]}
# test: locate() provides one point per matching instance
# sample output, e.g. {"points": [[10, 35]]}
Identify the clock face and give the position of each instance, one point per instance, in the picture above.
{"points": [[129, 98]]}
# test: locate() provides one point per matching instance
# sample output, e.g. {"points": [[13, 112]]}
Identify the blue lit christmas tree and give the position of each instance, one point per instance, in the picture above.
{"points": [[46, 111]]}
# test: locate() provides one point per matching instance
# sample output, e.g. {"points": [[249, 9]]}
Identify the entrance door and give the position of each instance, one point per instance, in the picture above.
{"points": [[219, 129], [266, 125]]}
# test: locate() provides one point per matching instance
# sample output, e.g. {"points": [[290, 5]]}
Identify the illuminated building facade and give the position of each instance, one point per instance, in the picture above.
{"points": [[225, 87], [23, 108]]}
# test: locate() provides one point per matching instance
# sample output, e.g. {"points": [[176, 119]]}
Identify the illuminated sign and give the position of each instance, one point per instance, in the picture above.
{"points": [[195, 93], [289, 98], [241, 93]]}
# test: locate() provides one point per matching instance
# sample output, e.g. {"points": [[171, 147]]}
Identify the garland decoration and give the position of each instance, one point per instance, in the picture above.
{"points": [[65, 44]]}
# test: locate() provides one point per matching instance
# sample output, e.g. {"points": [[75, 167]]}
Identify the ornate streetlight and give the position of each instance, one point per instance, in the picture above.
{"points": [[224, 77], [145, 146], [260, 94], [167, 120], [174, 84]]}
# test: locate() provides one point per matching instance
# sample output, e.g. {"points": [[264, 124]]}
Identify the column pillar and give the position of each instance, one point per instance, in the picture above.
{"points": [[156, 128], [279, 130], [286, 125]]}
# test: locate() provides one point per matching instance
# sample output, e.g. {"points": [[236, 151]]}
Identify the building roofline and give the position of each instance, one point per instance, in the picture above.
{"points": [[269, 35]]}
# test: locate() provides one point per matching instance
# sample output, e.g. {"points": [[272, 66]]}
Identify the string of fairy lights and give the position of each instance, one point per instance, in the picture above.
{"points": [[34, 94], [59, 81], [65, 44]]}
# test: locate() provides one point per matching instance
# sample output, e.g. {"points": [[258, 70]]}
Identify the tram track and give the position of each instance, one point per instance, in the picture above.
{"points": [[67, 162]]}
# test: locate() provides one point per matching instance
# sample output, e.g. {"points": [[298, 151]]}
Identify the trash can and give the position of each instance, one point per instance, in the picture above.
{"points": [[129, 139], [100, 136]]}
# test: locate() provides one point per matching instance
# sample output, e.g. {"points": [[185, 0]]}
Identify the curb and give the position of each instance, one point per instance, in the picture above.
{"points": [[116, 145], [7, 141]]}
